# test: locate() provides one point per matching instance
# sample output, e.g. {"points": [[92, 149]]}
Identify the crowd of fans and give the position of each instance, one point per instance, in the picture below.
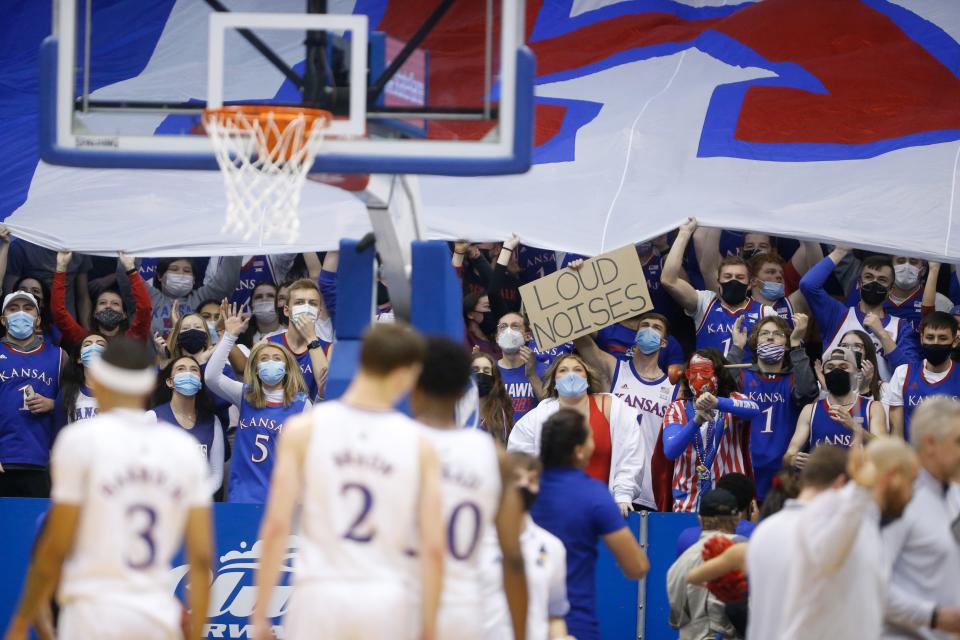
{"points": [[757, 352]]}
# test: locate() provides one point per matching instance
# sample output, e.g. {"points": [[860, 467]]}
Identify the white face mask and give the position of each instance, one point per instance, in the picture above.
{"points": [[177, 285], [906, 276], [264, 311], [386, 317], [324, 329], [310, 312], [510, 340]]}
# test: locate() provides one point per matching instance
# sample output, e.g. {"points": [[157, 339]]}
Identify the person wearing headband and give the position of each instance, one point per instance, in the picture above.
{"points": [[127, 493], [834, 419], [29, 383], [705, 432], [272, 390], [75, 401], [781, 381]]}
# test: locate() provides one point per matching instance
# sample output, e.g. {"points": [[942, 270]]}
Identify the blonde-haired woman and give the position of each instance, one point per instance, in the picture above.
{"points": [[271, 391], [617, 459]]}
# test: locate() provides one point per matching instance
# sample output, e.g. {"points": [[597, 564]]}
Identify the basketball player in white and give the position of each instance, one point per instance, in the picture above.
{"points": [[126, 492], [474, 473], [366, 478]]}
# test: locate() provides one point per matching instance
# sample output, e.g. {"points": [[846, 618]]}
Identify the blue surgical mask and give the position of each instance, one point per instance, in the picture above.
{"points": [[772, 290], [89, 352], [186, 383], [571, 385], [648, 340], [20, 325], [271, 371]]}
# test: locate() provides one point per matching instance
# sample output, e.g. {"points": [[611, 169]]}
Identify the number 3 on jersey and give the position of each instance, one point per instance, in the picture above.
{"points": [[144, 520]]}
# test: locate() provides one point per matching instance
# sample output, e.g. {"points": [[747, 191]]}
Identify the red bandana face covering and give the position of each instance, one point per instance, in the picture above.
{"points": [[701, 375]]}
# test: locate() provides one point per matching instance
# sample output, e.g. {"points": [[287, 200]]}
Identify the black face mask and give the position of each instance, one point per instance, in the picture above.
{"points": [[484, 383], [733, 292], [383, 296], [936, 354], [489, 324], [528, 497], [873, 293], [838, 382], [746, 254], [192, 340], [108, 319]]}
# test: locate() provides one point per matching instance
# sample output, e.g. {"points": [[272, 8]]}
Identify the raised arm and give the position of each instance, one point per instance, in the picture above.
{"points": [[597, 358], [143, 311], [327, 281], [734, 558], [828, 312], [230, 390], [5, 239], [671, 277], [223, 283], [706, 244], [72, 332], [930, 287]]}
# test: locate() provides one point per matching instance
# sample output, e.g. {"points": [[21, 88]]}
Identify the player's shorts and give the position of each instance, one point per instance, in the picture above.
{"points": [[85, 619], [347, 611]]}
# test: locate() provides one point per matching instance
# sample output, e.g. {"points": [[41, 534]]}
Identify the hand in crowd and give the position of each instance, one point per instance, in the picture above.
{"points": [[175, 312], [576, 265], [800, 321], [872, 321], [305, 326], [127, 262], [625, 508], [460, 247], [512, 242], [529, 360], [63, 260], [39, 404], [860, 468], [688, 227], [845, 419], [160, 344], [818, 371], [738, 333], [868, 371], [800, 459], [235, 320], [706, 402], [5, 236]]}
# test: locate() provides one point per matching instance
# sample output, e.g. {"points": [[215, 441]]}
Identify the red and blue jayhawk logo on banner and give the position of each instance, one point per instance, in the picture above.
{"points": [[849, 79]]}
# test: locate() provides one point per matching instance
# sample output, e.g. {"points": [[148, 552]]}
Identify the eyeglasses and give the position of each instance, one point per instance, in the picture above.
{"points": [[851, 346], [772, 334]]}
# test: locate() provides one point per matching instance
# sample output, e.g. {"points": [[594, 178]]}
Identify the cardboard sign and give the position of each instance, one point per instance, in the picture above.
{"points": [[568, 304]]}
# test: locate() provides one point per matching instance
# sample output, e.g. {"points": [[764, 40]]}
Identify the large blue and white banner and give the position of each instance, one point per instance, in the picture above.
{"points": [[825, 119]]}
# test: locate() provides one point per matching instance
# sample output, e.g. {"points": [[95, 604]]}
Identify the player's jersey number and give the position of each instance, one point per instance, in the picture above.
{"points": [[359, 530], [465, 517], [143, 550]]}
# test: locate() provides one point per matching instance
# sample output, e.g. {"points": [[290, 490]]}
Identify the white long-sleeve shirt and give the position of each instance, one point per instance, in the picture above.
{"points": [[837, 579], [925, 562], [627, 452]]}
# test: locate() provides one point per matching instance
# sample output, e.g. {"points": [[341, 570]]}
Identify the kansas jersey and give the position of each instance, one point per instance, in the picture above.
{"points": [[520, 389], [784, 309], [618, 341], [650, 398], [854, 320], [135, 481], [360, 492], [826, 430], [85, 406], [470, 488], [715, 322], [255, 446], [730, 457], [303, 359], [202, 431], [909, 308], [917, 386], [772, 430], [25, 437]]}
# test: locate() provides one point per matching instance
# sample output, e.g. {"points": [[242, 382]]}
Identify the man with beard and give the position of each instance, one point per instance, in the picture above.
{"points": [[836, 583]]}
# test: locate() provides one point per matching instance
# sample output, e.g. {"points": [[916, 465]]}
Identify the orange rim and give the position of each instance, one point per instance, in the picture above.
{"points": [[281, 115]]}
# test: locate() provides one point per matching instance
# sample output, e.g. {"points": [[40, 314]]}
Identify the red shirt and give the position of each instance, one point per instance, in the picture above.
{"points": [[599, 465]]}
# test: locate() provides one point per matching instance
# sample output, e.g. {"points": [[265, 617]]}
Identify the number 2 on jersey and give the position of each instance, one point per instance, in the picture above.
{"points": [[359, 531], [143, 533]]}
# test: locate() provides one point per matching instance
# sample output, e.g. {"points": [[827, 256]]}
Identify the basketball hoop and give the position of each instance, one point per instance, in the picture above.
{"points": [[265, 153]]}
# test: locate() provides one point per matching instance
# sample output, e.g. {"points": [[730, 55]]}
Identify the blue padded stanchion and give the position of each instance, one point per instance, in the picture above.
{"points": [[355, 291], [437, 296]]}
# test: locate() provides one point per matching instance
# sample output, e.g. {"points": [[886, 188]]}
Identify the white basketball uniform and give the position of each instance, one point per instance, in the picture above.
{"points": [[471, 497], [135, 481], [650, 398], [360, 494], [545, 564]]}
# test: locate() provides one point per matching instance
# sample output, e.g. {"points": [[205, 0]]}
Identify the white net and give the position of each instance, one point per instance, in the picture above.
{"points": [[264, 157]]}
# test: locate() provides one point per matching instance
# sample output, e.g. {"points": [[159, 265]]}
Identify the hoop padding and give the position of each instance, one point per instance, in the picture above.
{"points": [[264, 153]]}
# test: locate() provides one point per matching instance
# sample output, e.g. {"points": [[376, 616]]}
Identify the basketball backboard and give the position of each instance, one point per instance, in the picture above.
{"points": [[431, 88]]}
